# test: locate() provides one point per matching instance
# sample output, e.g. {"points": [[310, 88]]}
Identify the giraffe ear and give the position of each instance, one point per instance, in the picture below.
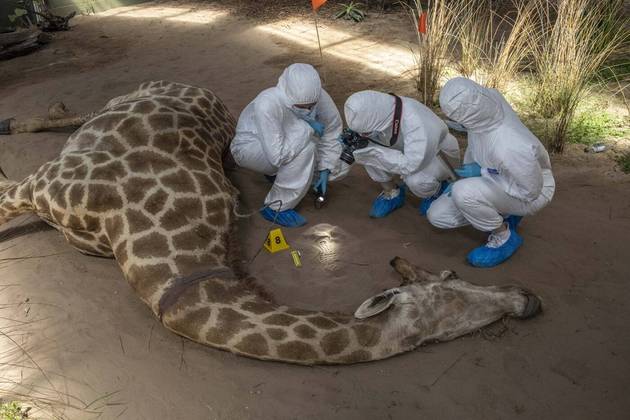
{"points": [[377, 304]]}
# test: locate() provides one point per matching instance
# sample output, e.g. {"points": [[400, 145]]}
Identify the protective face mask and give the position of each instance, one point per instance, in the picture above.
{"points": [[303, 113]]}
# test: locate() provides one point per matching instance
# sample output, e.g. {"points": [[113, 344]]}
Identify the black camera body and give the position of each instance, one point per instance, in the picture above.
{"points": [[351, 141]]}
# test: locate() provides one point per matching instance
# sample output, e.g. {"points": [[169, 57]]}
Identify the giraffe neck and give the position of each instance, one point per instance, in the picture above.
{"points": [[225, 314]]}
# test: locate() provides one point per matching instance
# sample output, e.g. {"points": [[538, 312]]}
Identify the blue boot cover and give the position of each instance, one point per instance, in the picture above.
{"points": [[286, 218], [382, 206], [486, 256]]}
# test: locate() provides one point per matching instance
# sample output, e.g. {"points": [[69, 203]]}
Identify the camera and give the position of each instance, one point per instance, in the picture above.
{"points": [[351, 141]]}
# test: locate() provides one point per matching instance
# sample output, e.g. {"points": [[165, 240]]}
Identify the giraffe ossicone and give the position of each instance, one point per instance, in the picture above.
{"points": [[142, 181]]}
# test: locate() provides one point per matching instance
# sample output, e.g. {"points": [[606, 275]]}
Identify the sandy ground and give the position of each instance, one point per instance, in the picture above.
{"points": [[94, 348]]}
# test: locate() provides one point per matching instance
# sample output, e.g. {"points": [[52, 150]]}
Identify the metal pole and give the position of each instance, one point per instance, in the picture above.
{"points": [[319, 43]]}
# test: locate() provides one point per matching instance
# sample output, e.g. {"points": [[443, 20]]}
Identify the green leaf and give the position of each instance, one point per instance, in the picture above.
{"points": [[356, 16]]}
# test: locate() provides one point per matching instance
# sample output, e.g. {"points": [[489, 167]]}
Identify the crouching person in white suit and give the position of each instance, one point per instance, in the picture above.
{"points": [[506, 172], [406, 139], [287, 133]]}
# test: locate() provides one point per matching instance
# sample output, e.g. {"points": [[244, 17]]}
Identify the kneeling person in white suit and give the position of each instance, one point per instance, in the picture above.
{"points": [[286, 133], [507, 172]]}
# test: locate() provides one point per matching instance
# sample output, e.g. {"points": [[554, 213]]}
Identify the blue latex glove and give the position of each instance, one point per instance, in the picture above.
{"points": [[317, 126], [469, 170], [321, 184]]}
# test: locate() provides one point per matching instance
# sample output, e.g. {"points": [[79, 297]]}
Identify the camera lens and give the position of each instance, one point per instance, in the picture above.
{"points": [[346, 156]]}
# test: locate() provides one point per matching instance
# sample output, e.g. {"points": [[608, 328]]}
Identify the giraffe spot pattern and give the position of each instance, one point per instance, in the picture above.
{"points": [[276, 333], [151, 245], [229, 322], [280, 319], [304, 331], [296, 351], [322, 322], [254, 344], [335, 342]]}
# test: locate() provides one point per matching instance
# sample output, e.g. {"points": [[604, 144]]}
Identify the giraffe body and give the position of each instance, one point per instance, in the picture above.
{"points": [[142, 181]]}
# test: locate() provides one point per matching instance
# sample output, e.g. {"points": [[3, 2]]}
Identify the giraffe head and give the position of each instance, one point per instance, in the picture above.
{"points": [[424, 297]]}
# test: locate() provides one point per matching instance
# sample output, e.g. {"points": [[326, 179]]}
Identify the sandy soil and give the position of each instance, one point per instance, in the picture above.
{"points": [[95, 348]]}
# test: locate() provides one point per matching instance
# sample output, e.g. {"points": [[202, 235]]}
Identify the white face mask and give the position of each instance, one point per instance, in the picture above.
{"points": [[303, 113]]}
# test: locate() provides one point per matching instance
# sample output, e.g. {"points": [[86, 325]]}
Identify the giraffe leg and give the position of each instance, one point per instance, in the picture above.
{"points": [[15, 198], [87, 243], [34, 125], [57, 111]]}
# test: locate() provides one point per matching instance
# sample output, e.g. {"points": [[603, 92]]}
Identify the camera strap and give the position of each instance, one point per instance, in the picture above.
{"points": [[396, 123]]}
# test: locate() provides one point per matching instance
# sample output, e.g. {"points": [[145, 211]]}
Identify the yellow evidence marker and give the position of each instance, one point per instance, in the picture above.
{"points": [[275, 241]]}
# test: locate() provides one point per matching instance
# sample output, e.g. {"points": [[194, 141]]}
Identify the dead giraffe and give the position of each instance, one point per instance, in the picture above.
{"points": [[143, 181]]}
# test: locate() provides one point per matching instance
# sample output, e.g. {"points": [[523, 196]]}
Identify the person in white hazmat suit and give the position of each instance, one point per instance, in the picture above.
{"points": [[506, 172], [404, 145], [286, 133]]}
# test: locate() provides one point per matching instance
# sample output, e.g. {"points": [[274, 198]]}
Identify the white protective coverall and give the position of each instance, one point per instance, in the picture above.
{"points": [[414, 156], [516, 176], [273, 140]]}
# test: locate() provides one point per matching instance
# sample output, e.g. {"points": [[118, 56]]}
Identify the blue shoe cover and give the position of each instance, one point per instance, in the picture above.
{"points": [[382, 206], [426, 202], [486, 257], [270, 178], [286, 218]]}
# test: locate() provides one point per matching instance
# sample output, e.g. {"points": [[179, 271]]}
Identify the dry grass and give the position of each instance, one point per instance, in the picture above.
{"points": [[508, 53], [474, 36], [494, 46], [25, 385], [578, 37], [435, 47]]}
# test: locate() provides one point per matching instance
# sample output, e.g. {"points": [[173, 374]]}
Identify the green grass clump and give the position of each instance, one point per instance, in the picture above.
{"points": [[12, 411], [593, 126], [578, 37], [351, 11]]}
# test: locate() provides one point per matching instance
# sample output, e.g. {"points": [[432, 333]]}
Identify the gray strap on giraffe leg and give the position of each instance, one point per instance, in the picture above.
{"points": [[180, 284]]}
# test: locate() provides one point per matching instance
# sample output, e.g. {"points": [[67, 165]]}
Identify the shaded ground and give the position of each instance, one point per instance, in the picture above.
{"points": [[100, 347]]}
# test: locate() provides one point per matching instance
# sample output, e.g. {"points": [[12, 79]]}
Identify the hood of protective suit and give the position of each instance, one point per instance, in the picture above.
{"points": [[300, 84], [368, 111], [472, 105]]}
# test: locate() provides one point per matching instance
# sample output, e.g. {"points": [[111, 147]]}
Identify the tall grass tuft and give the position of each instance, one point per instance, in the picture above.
{"points": [[494, 47], [577, 39], [475, 36], [508, 53], [435, 47]]}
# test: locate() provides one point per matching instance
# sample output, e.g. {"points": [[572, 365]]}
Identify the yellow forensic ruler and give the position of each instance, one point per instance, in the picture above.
{"points": [[275, 241]]}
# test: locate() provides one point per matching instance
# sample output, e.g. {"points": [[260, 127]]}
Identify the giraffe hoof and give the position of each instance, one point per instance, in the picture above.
{"points": [[533, 306], [5, 127]]}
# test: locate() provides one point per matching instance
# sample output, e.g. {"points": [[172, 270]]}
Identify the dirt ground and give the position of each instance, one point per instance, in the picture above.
{"points": [[95, 349]]}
